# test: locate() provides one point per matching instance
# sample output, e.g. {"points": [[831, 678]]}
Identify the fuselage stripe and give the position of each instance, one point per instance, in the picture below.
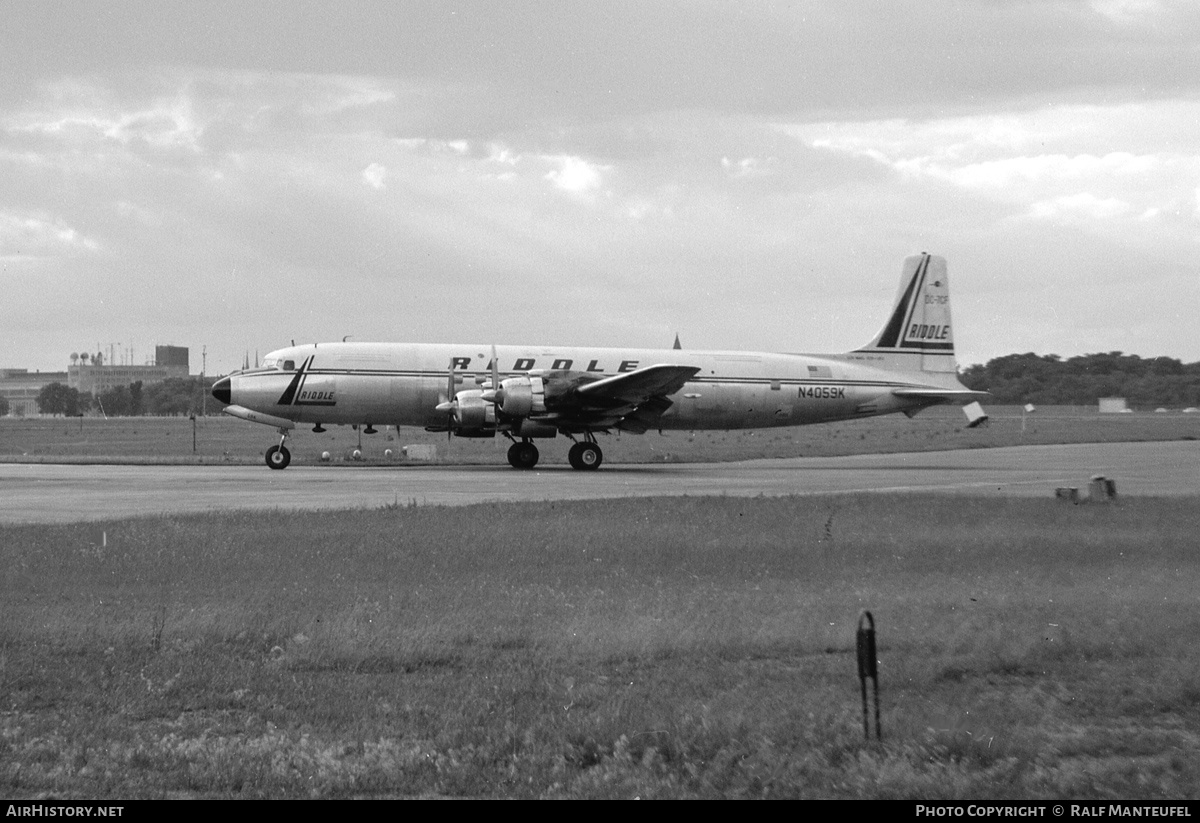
{"points": [[289, 395]]}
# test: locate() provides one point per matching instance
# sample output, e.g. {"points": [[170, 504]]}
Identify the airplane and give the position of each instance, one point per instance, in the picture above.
{"points": [[528, 393]]}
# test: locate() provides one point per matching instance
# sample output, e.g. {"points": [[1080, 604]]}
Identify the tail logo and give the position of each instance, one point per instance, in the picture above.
{"points": [[924, 332]]}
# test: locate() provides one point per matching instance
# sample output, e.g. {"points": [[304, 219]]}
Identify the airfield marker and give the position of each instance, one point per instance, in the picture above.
{"points": [[868, 666]]}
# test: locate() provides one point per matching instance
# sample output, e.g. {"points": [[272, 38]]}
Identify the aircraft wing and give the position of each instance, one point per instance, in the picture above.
{"points": [[632, 402], [638, 386]]}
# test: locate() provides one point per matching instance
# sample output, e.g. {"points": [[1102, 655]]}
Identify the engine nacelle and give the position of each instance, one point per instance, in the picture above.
{"points": [[522, 396], [534, 428], [472, 411]]}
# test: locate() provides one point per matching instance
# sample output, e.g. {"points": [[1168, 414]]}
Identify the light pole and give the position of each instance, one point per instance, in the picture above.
{"points": [[203, 390]]}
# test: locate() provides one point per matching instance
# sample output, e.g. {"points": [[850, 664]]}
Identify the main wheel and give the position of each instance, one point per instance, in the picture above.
{"points": [[522, 455], [585, 456], [278, 457]]}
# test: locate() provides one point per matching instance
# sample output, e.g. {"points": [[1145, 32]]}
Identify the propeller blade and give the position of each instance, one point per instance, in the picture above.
{"points": [[495, 394], [495, 369], [451, 404]]}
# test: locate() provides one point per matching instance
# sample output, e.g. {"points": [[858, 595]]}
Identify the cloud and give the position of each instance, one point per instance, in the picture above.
{"points": [[1129, 12], [1085, 164], [88, 115], [575, 175], [33, 236], [132, 211], [748, 167], [340, 94], [1080, 206], [374, 175]]}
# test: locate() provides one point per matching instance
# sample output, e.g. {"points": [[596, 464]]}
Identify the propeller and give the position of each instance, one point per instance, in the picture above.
{"points": [[495, 394], [474, 410], [449, 405]]}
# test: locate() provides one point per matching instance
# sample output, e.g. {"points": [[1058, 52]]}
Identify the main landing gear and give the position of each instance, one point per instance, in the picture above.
{"points": [[523, 455], [585, 456], [278, 457]]}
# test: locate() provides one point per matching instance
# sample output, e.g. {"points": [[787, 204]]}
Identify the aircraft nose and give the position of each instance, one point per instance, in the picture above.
{"points": [[221, 390]]}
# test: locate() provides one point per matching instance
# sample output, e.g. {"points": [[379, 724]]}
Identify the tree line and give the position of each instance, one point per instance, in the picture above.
{"points": [[1155, 382], [173, 396]]}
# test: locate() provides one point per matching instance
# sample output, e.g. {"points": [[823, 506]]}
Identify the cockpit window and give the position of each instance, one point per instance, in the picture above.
{"points": [[276, 364]]}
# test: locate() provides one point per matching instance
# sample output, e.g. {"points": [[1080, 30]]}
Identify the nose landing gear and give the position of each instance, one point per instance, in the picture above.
{"points": [[278, 457]]}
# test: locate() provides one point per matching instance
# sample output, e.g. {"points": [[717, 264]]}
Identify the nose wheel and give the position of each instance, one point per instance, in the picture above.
{"points": [[278, 457]]}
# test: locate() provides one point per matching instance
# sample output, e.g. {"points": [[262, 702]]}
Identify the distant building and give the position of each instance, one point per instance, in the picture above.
{"points": [[94, 376], [171, 356], [90, 375], [20, 387], [1113, 405]]}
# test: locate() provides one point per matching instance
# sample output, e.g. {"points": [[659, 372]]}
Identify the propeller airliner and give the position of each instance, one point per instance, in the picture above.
{"points": [[528, 393]]}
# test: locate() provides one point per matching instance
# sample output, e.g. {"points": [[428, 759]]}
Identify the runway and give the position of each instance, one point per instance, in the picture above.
{"points": [[56, 493]]}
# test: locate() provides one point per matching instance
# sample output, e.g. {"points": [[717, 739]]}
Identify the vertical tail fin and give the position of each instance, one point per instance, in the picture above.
{"points": [[918, 335]]}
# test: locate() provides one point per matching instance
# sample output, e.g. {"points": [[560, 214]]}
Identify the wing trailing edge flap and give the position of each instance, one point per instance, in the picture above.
{"points": [[641, 394], [636, 387], [645, 416]]}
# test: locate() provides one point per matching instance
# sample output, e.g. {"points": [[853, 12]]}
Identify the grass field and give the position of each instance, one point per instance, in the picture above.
{"points": [[227, 440], [634, 648]]}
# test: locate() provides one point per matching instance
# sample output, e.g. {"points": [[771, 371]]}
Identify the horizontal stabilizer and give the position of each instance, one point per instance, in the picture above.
{"points": [[948, 395]]}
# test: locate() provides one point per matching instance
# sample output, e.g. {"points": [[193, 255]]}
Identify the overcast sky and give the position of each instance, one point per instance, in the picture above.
{"points": [[237, 175]]}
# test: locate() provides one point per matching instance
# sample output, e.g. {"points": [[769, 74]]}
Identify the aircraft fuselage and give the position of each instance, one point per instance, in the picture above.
{"points": [[401, 384]]}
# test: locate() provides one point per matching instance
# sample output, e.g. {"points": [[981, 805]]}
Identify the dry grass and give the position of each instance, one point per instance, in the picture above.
{"points": [[654, 648]]}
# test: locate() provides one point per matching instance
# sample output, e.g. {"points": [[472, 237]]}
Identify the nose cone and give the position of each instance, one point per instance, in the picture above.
{"points": [[220, 390]]}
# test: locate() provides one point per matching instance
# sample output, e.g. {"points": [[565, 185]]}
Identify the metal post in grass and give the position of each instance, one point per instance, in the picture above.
{"points": [[868, 666]]}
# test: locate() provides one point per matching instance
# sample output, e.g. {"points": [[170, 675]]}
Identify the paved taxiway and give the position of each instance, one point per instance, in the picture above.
{"points": [[41, 493]]}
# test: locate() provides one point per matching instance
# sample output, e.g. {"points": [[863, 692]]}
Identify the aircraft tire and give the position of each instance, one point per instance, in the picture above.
{"points": [[585, 456], [278, 457], [522, 455]]}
